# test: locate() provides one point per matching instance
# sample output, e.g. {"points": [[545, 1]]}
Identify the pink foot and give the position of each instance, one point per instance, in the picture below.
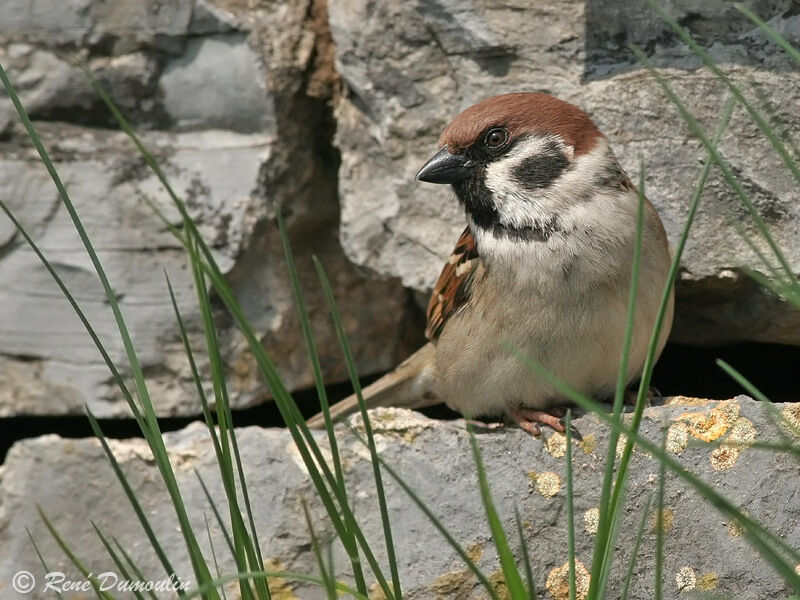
{"points": [[529, 419]]}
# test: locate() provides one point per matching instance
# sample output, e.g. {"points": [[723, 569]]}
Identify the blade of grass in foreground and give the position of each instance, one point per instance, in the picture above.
{"points": [[511, 573], [327, 577], [770, 32], [530, 580], [123, 570], [346, 527], [376, 469], [573, 593], [214, 555], [132, 498], [604, 553], [635, 551], [73, 558], [42, 561], [658, 572], [152, 431]]}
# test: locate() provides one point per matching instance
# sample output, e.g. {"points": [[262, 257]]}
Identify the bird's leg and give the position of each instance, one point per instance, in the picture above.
{"points": [[652, 395], [529, 419]]}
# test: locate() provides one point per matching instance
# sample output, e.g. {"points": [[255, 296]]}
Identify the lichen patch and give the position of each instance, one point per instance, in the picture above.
{"points": [[791, 418], [707, 582], [546, 484], [556, 444], [677, 437], [712, 424], [589, 443], [558, 581], [666, 521], [724, 457], [591, 520], [686, 579]]}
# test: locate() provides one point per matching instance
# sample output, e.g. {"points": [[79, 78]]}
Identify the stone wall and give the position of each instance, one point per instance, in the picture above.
{"points": [[326, 112]]}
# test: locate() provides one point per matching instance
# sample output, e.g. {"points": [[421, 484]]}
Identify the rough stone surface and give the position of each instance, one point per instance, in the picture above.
{"points": [[409, 68], [233, 101], [73, 482]]}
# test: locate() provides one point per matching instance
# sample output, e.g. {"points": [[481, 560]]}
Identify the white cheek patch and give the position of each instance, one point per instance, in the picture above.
{"points": [[517, 206]]}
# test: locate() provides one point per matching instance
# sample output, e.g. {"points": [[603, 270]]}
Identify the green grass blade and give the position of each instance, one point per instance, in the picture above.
{"points": [[511, 573], [123, 570], [573, 593], [604, 554], [245, 553], [767, 543], [626, 586], [133, 566], [658, 572], [73, 558], [449, 538], [152, 431], [57, 592], [769, 31], [725, 169], [376, 470], [213, 554], [131, 495], [530, 580], [313, 355], [327, 578], [217, 514]]}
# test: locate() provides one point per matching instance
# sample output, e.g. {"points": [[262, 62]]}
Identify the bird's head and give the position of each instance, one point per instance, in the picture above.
{"points": [[515, 161]]}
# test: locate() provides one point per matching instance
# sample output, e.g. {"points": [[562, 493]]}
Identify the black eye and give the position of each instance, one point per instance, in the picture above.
{"points": [[496, 137]]}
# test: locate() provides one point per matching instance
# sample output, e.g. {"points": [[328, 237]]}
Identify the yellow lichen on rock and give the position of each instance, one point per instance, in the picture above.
{"points": [[589, 443], [677, 437], [791, 418], [686, 401], [558, 581], [546, 484], [556, 445], [457, 583], [498, 582], [707, 582], [711, 424], [724, 457], [667, 520], [279, 588], [591, 520]]}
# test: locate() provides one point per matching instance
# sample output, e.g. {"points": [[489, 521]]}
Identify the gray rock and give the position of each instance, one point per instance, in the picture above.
{"points": [[704, 551], [409, 68], [237, 99], [125, 25]]}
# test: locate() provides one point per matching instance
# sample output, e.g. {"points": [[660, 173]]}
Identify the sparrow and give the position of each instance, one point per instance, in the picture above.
{"points": [[544, 264]]}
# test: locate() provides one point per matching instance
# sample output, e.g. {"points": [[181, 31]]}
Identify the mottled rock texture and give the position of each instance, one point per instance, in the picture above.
{"points": [[410, 67], [72, 480], [234, 102]]}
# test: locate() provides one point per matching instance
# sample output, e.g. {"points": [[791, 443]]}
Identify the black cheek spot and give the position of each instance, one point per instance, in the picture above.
{"points": [[541, 170]]}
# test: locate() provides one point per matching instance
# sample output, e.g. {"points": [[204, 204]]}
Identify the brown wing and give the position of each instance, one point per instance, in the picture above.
{"points": [[452, 291]]}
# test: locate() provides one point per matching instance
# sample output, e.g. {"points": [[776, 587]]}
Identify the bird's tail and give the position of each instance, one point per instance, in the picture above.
{"points": [[410, 385]]}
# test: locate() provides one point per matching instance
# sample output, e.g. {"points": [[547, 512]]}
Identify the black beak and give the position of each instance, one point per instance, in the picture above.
{"points": [[444, 167]]}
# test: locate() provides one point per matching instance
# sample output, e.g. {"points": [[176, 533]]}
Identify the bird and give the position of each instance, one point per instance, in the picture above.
{"points": [[544, 265]]}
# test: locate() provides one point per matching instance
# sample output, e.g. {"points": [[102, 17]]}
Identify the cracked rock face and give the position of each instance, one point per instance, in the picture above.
{"points": [[410, 68], [435, 459], [233, 104]]}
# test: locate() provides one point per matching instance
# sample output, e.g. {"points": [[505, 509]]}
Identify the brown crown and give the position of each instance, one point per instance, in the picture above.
{"points": [[519, 113]]}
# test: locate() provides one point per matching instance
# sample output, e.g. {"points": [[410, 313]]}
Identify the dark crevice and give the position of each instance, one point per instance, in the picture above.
{"points": [[682, 370]]}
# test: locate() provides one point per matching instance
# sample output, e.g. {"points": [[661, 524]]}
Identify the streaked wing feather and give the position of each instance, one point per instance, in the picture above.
{"points": [[452, 291]]}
